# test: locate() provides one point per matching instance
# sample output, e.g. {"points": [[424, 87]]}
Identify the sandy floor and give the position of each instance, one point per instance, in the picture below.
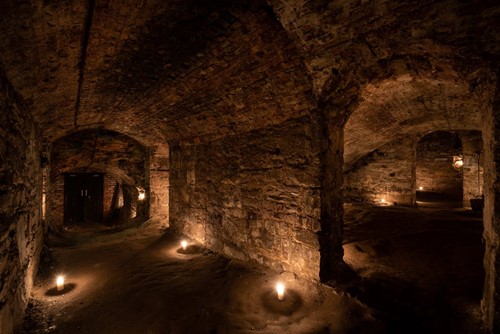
{"points": [[421, 269], [136, 281], [420, 272]]}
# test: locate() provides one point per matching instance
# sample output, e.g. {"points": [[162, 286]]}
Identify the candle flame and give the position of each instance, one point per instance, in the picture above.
{"points": [[184, 244], [60, 283], [280, 289]]}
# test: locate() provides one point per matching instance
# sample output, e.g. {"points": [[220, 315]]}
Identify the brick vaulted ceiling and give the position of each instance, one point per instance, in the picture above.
{"points": [[161, 70], [155, 70]]}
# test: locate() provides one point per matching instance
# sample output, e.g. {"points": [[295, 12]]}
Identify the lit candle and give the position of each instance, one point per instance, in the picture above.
{"points": [[184, 244], [382, 200], [280, 289], [60, 283], [420, 188]]}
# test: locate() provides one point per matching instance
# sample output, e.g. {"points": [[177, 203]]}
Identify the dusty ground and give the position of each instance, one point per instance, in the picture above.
{"points": [[420, 272], [421, 268], [136, 281]]}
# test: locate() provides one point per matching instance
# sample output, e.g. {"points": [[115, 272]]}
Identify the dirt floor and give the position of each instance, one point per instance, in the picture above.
{"points": [[140, 281], [421, 268], [420, 272]]}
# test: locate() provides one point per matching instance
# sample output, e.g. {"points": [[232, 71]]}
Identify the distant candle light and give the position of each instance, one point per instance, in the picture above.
{"points": [[280, 289], [420, 188], [60, 283], [382, 200], [184, 244], [142, 194]]}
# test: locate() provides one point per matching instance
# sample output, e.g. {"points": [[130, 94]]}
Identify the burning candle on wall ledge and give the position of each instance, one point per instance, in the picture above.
{"points": [[280, 289], [184, 244], [60, 283]]}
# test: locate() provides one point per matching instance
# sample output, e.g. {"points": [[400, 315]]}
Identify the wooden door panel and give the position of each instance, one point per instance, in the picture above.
{"points": [[94, 184], [83, 197]]}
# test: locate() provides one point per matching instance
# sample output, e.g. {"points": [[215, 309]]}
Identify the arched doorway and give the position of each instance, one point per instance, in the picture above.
{"points": [[439, 179], [98, 177]]}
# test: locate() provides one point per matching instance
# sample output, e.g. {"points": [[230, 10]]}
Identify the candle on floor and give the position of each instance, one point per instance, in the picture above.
{"points": [[280, 289], [184, 244], [60, 283]]}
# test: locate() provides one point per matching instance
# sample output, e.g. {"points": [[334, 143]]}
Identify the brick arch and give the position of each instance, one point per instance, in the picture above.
{"points": [[405, 105], [123, 160]]}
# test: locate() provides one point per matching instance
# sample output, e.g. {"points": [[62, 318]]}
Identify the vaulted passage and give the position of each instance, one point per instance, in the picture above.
{"points": [[347, 149]]}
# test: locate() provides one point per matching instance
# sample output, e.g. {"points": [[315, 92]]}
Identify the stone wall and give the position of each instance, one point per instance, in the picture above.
{"points": [[490, 304], [254, 197], [109, 191], [435, 171], [386, 175], [21, 230], [472, 148], [159, 186], [119, 157]]}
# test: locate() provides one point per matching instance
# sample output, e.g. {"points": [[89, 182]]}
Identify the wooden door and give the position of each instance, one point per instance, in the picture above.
{"points": [[83, 197]]}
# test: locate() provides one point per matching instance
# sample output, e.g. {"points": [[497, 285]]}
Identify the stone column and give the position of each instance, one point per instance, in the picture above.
{"points": [[490, 304], [471, 146], [159, 185], [333, 269]]}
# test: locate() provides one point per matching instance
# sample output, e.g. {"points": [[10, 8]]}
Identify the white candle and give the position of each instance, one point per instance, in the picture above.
{"points": [[184, 244], [60, 283], [280, 289]]}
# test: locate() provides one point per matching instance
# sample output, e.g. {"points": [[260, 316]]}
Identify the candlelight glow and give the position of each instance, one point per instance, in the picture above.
{"points": [[142, 193], [420, 188], [60, 283], [382, 200], [458, 161], [280, 289], [184, 244]]}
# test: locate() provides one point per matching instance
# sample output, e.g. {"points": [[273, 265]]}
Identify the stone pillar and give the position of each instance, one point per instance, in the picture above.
{"points": [[159, 185], [472, 150], [490, 304], [333, 269]]}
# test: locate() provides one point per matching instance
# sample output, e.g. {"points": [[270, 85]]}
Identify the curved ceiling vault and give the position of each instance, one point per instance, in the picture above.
{"points": [[154, 70], [404, 105], [171, 70]]}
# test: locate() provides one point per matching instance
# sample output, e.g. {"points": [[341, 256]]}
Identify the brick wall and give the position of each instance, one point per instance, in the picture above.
{"points": [[435, 172], [252, 197], [21, 230], [387, 173]]}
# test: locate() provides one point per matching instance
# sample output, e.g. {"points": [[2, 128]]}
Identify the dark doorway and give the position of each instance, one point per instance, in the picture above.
{"points": [[83, 197]]}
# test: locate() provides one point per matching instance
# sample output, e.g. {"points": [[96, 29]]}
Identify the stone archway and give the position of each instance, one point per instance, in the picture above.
{"points": [[437, 179], [118, 158]]}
